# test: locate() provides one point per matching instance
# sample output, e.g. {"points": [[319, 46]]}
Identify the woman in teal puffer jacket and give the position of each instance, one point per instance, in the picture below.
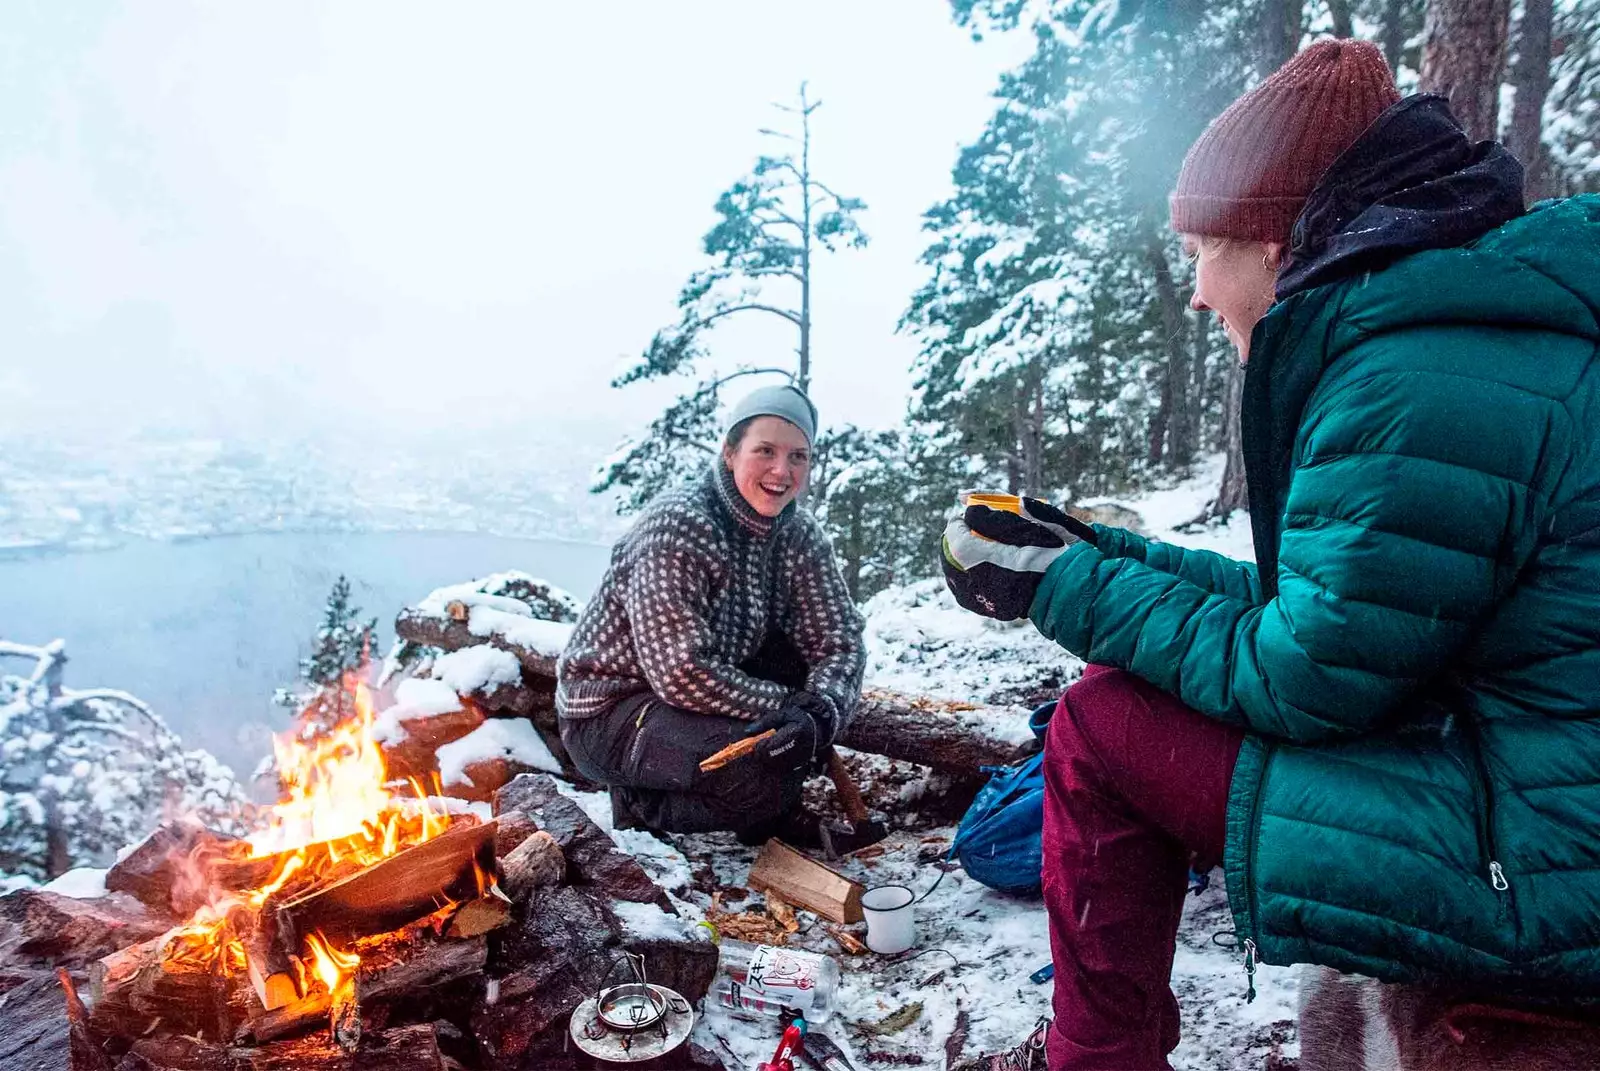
{"points": [[1391, 724]]}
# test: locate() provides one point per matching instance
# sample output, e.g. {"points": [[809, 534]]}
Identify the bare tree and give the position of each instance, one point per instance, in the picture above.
{"points": [[1530, 78], [1464, 57]]}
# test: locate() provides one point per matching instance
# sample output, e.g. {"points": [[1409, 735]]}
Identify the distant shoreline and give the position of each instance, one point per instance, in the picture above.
{"points": [[57, 548]]}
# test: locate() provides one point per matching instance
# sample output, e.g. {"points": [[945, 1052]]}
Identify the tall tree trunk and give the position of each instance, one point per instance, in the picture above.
{"points": [[1233, 494], [1530, 77], [1463, 58], [1200, 392], [804, 379], [1280, 33], [1033, 433], [1393, 33], [1173, 418], [1340, 12], [1019, 431]]}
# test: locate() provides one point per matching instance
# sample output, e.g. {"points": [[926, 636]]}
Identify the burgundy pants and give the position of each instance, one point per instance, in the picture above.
{"points": [[1136, 786]]}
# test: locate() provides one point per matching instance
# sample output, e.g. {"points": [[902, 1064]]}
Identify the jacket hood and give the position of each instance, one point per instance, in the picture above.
{"points": [[1412, 181]]}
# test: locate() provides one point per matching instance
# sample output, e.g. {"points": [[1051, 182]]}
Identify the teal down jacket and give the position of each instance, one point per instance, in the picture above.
{"points": [[1418, 796]]}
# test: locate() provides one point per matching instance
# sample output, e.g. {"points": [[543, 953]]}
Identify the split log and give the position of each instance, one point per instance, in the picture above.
{"points": [[397, 890], [950, 737], [452, 635], [535, 862], [410, 969], [46, 929], [84, 1050], [798, 879], [170, 978], [478, 917], [402, 1048], [512, 829], [169, 870]]}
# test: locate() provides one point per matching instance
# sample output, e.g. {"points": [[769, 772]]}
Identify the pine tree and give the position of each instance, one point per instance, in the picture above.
{"points": [[772, 225], [85, 773], [344, 645]]}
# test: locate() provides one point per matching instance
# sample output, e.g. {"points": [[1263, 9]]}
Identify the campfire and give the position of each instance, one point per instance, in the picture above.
{"points": [[355, 887]]}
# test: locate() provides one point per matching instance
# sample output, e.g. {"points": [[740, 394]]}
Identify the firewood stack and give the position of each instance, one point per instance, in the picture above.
{"points": [[541, 906]]}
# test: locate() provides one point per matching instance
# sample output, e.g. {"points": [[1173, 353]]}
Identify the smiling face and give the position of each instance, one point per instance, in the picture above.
{"points": [[1234, 279], [770, 464]]}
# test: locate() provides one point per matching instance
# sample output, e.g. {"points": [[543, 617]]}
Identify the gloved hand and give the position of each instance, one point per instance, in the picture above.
{"points": [[804, 727], [994, 560]]}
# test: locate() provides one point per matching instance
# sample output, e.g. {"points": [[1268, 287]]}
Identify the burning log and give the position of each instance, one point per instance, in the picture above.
{"points": [[168, 869], [405, 971], [170, 978], [955, 738], [456, 865], [536, 861]]}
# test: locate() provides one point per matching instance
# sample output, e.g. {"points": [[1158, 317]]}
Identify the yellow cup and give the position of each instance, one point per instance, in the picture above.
{"points": [[992, 499]]}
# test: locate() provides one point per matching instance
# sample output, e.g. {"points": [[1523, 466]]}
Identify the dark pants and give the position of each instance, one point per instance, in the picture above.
{"points": [[649, 754], [1136, 785]]}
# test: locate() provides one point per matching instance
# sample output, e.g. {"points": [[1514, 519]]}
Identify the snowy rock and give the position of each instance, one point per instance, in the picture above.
{"points": [[592, 857]]}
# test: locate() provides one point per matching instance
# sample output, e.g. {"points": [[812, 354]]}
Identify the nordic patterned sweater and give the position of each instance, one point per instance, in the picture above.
{"points": [[693, 590]]}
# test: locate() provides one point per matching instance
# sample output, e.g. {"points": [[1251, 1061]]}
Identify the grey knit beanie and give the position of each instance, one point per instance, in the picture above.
{"points": [[785, 401]]}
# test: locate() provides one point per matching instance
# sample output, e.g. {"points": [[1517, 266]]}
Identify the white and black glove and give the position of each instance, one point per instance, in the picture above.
{"points": [[994, 559]]}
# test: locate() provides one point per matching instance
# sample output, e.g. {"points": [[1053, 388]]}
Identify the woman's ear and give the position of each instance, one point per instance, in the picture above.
{"points": [[1273, 257]]}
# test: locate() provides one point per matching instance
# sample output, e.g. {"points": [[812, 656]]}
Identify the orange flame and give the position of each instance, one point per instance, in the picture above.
{"points": [[330, 965], [337, 814]]}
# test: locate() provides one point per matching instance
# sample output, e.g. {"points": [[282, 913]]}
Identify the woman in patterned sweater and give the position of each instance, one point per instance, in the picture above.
{"points": [[722, 615]]}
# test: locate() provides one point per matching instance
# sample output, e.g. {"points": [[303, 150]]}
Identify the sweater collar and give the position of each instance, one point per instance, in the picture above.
{"points": [[742, 512]]}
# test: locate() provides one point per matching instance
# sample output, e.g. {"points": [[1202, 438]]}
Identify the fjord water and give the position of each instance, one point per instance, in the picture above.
{"points": [[205, 629]]}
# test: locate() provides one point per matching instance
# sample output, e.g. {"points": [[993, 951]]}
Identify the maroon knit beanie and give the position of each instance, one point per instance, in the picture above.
{"points": [[1249, 174]]}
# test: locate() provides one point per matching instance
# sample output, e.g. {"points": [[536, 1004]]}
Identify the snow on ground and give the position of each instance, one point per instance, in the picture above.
{"points": [[975, 947], [82, 883]]}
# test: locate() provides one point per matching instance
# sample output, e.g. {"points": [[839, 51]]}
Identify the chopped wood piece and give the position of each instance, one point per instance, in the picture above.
{"points": [[170, 869], [397, 890], [453, 635], [514, 828], [169, 978], [782, 913], [84, 1051], [477, 917], [291, 1019], [736, 750], [537, 861], [846, 940], [458, 610], [801, 880], [344, 1017], [392, 974]]}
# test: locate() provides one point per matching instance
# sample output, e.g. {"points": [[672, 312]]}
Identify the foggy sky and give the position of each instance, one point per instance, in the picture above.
{"points": [[278, 217]]}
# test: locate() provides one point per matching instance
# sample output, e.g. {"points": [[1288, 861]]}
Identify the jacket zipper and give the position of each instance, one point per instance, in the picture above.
{"points": [[1483, 813], [638, 736], [1249, 943]]}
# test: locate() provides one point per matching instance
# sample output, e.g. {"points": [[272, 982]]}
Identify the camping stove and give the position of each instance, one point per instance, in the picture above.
{"points": [[633, 1021]]}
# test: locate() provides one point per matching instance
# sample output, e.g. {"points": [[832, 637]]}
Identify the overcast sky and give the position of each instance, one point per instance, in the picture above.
{"points": [[279, 216]]}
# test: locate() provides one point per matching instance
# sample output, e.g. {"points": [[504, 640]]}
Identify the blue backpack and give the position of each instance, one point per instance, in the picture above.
{"points": [[998, 841]]}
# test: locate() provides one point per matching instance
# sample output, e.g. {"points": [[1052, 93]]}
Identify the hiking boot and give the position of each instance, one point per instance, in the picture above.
{"points": [[1029, 1056], [622, 815]]}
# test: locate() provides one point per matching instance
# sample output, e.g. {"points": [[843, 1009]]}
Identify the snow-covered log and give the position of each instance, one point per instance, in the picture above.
{"points": [[950, 737]]}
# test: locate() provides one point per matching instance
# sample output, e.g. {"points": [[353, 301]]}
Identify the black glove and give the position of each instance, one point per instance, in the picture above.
{"points": [[804, 727], [993, 560]]}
